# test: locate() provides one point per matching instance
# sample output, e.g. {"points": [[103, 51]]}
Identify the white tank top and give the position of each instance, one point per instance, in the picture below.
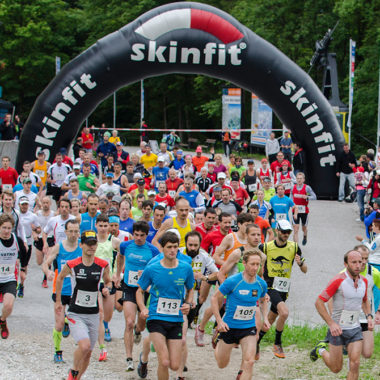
{"points": [[8, 259]]}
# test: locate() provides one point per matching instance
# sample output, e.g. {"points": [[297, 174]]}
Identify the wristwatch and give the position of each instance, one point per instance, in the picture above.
{"points": [[369, 315]]}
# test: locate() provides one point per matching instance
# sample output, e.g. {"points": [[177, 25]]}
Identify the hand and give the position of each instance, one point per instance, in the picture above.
{"points": [[266, 324], [144, 313], [371, 324], [377, 318], [298, 258], [50, 275], [338, 174], [105, 291], [222, 327], [117, 282], [198, 276], [335, 329], [88, 185], [45, 249], [212, 150], [58, 307], [267, 298], [359, 238], [185, 308]]}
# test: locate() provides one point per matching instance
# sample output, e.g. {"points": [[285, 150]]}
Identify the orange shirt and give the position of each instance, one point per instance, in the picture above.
{"points": [[264, 225], [199, 162]]}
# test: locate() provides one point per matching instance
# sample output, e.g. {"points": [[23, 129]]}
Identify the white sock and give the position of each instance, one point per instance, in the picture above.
{"points": [[320, 351]]}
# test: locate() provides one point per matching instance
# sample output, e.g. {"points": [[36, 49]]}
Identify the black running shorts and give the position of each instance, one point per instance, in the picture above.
{"points": [[170, 330]]}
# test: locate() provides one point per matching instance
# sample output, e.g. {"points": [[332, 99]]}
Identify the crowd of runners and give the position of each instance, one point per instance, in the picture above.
{"points": [[158, 237]]}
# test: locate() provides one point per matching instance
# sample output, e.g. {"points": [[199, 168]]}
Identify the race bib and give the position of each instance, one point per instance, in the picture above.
{"points": [[158, 183], [349, 318], [244, 313], [7, 269], [40, 173], [281, 217], [252, 187], [59, 177], [172, 193], [301, 209], [133, 277], [7, 187], [287, 185], [168, 306], [281, 284], [86, 299]]}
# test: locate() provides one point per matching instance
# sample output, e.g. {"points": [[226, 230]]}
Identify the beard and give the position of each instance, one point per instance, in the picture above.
{"points": [[192, 253]]}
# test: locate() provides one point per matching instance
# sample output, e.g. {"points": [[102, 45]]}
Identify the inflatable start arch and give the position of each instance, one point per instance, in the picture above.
{"points": [[187, 38]]}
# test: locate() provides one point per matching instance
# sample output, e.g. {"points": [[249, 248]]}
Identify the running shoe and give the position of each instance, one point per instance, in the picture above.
{"points": [[103, 355], [239, 374], [185, 369], [107, 335], [278, 351], [58, 357], [314, 353], [215, 339], [199, 337], [20, 293], [4, 329], [1, 297], [130, 366], [66, 329], [137, 336], [180, 378], [44, 284], [304, 241], [142, 368], [73, 375]]}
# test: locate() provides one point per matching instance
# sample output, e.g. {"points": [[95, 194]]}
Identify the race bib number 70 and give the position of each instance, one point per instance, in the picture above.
{"points": [[281, 284]]}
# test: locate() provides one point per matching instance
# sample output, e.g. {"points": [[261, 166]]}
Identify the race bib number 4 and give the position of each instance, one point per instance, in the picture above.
{"points": [[349, 318], [168, 306], [281, 284], [86, 299], [244, 313], [133, 277], [7, 269], [281, 217]]}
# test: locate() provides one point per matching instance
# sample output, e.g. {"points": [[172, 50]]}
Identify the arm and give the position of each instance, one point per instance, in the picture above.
{"points": [[46, 264], [333, 326], [120, 260], [164, 227], [263, 304], [232, 260], [185, 308], [216, 300], [270, 234], [140, 303], [224, 246], [301, 263], [58, 287]]}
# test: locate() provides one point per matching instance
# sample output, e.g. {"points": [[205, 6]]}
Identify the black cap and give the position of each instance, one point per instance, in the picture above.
{"points": [[141, 181], [89, 237]]}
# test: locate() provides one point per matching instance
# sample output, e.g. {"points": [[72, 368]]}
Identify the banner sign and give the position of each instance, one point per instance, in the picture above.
{"points": [[351, 85], [261, 121], [231, 101]]}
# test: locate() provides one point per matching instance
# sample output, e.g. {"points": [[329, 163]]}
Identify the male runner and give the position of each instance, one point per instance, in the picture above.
{"points": [[181, 223], [108, 247], [168, 279], [281, 204], [238, 326], [134, 257], [67, 249], [265, 228], [155, 224], [83, 314], [208, 225], [349, 292], [88, 219], [12, 252], [126, 222], [301, 195], [281, 254]]}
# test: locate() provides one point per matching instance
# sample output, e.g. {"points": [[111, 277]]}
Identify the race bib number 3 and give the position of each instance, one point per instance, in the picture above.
{"points": [[281, 284], [349, 317], [86, 299], [244, 313], [133, 277], [7, 269], [168, 306]]}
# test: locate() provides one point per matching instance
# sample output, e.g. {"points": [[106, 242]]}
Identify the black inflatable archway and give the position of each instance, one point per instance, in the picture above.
{"points": [[187, 38]]}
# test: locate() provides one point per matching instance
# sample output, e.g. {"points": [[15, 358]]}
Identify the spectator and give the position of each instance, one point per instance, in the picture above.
{"points": [[121, 155], [8, 175], [345, 164], [299, 159], [105, 148], [7, 128], [114, 139], [272, 147], [144, 133], [19, 125], [198, 160], [171, 140], [87, 139], [361, 182], [78, 145], [286, 146], [226, 139], [374, 187]]}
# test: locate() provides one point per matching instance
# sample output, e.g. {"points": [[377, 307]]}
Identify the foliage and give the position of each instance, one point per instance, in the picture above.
{"points": [[33, 33]]}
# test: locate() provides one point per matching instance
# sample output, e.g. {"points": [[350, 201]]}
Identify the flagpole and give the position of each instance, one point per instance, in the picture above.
{"points": [[114, 110]]}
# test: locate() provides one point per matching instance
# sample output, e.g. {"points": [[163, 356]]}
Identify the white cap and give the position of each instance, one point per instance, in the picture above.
{"points": [[160, 159], [137, 175], [175, 231], [284, 225], [222, 175]]}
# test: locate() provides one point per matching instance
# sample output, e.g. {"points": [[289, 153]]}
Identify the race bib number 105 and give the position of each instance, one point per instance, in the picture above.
{"points": [[244, 313]]}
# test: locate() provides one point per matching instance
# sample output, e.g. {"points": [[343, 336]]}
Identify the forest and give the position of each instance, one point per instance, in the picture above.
{"points": [[34, 32]]}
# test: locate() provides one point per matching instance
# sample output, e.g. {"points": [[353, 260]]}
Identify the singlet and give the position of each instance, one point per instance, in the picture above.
{"points": [[242, 299], [105, 251], [182, 230], [8, 260], [85, 284], [56, 226], [300, 202], [279, 260], [61, 259], [237, 244], [87, 222], [41, 171], [70, 195], [250, 182], [347, 299]]}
